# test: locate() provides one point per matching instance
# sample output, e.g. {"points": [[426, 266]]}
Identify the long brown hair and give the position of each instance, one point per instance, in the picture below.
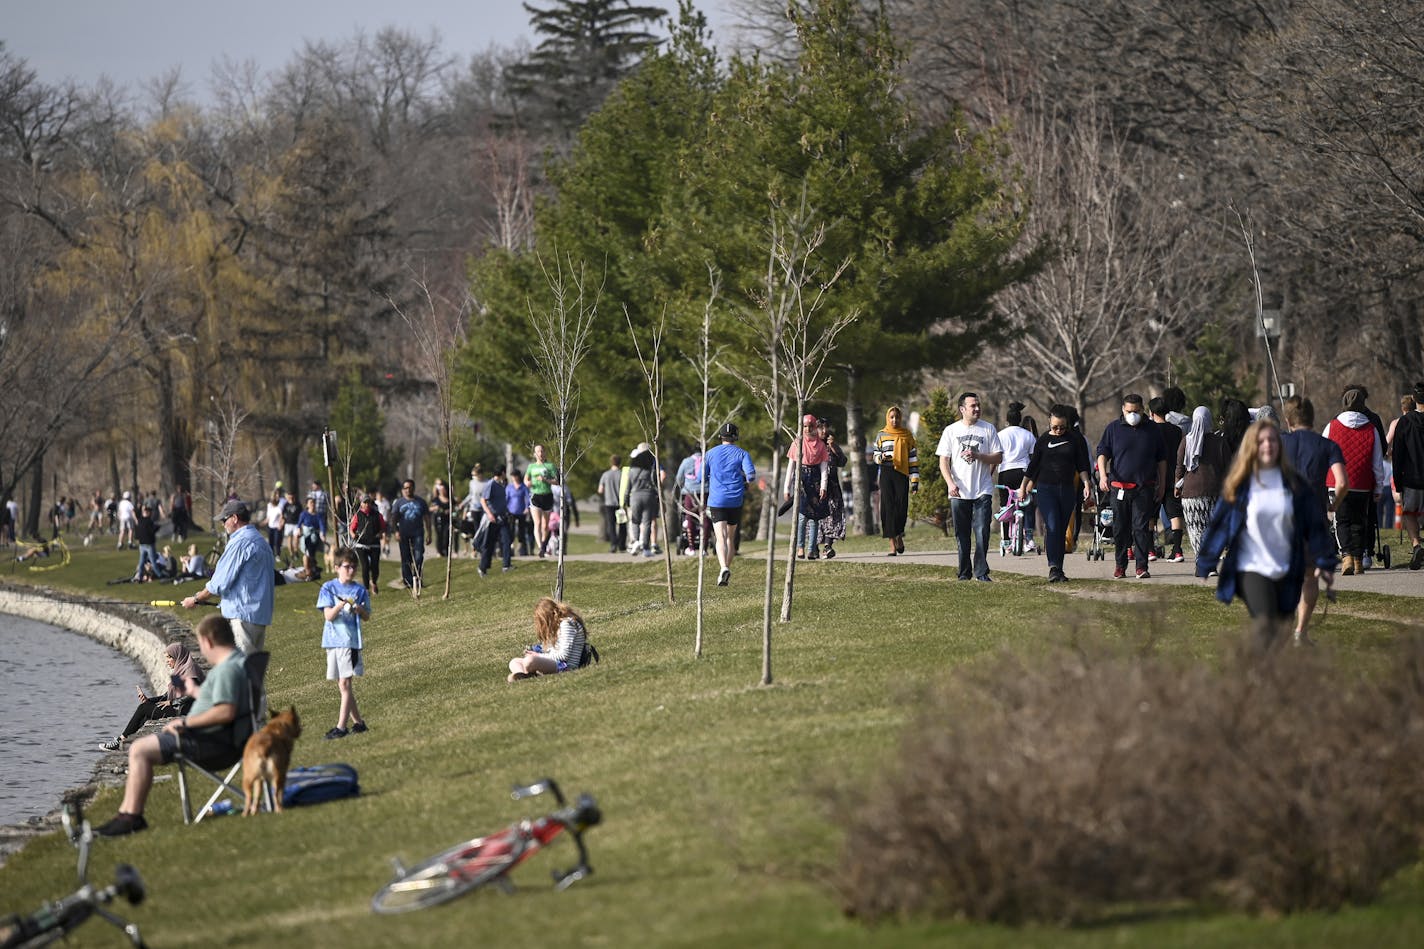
{"points": [[1248, 465], [548, 614]]}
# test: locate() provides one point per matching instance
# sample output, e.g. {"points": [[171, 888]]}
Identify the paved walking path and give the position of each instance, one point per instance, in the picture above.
{"points": [[1398, 581]]}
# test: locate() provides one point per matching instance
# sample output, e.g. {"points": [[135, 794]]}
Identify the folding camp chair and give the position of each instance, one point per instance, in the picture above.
{"points": [[256, 667]]}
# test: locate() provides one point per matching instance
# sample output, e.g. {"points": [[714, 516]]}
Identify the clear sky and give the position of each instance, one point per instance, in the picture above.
{"points": [[133, 40]]}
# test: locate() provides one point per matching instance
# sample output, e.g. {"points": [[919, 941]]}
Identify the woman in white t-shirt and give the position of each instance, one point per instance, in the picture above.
{"points": [[1268, 521]]}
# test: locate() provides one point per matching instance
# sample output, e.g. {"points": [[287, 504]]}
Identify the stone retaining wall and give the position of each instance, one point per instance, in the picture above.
{"points": [[142, 640]]}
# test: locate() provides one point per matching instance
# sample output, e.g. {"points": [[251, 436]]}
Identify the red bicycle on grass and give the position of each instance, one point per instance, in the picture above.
{"points": [[474, 863]]}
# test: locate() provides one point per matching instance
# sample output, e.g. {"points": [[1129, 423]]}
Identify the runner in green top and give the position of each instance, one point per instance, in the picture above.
{"points": [[542, 477]]}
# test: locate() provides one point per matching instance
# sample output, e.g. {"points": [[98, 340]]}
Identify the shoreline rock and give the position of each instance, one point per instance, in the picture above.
{"points": [[139, 631]]}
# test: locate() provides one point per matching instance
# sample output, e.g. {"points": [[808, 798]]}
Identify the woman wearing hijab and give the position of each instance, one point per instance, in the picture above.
{"points": [[814, 470], [1267, 523], [177, 702], [893, 452], [1202, 460], [833, 524]]}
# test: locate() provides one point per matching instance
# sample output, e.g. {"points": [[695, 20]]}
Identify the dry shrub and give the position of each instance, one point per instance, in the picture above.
{"points": [[1058, 787]]}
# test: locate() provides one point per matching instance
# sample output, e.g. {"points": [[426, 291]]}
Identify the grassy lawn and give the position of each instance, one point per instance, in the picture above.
{"points": [[712, 787]]}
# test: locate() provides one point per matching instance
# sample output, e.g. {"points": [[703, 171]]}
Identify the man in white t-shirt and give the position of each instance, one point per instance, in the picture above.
{"points": [[968, 452]]}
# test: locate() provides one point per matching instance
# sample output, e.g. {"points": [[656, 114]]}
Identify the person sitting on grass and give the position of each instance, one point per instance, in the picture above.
{"points": [[562, 636], [344, 603], [151, 708], [212, 734]]}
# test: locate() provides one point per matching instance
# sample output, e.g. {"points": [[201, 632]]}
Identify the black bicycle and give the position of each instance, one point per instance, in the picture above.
{"points": [[482, 860], [55, 920]]}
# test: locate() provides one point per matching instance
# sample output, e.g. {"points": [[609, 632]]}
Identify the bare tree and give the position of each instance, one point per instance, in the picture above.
{"points": [[438, 331], [219, 468], [787, 330], [651, 423], [561, 336], [1129, 280], [703, 360]]}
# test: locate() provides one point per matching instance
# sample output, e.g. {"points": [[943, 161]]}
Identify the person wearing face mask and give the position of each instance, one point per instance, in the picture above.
{"points": [[1132, 465]]}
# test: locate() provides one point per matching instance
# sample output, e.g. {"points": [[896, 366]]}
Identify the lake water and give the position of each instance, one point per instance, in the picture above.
{"points": [[61, 695]]}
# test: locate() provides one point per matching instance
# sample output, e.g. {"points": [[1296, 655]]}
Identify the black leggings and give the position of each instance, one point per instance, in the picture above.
{"points": [[370, 559], [1262, 596], [154, 710]]}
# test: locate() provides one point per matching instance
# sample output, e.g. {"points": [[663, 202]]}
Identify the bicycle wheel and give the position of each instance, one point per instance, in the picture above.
{"points": [[449, 874]]}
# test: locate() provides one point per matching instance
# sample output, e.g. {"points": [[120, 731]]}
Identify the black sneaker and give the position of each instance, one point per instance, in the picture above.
{"points": [[337, 732], [122, 825], [114, 745], [724, 577], [358, 728], [1417, 561]]}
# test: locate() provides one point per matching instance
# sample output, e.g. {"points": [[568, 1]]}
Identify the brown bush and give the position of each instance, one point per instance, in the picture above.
{"points": [[1055, 788]]}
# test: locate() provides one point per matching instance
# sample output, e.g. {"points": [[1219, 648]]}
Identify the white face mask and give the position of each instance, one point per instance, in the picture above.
{"points": [[1133, 418]]}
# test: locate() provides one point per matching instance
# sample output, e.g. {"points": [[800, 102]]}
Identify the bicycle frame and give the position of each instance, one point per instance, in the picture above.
{"points": [[59, 918], [490, 859]]}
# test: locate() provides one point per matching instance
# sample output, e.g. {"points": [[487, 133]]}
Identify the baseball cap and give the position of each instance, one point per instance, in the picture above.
{"points": [[233, 507]]}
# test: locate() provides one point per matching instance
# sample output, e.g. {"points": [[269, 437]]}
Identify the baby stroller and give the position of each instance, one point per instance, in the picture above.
{"points": [[1100, 513]]}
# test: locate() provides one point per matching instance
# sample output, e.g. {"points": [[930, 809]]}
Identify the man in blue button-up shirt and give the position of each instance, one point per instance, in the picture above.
{"points": [[243, 578]]}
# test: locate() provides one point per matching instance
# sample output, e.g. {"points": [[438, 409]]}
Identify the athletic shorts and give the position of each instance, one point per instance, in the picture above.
{"points": [[1412, 499], [291, 530], [197, 746], [727, 515], [343, 663], [1172, 505], [544, 502]]}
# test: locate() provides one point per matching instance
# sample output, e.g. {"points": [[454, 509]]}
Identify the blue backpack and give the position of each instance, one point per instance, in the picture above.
{"points": [[319, 783]]}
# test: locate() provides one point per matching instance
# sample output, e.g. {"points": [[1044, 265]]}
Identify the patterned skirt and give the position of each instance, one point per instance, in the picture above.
{"points": [[1196, 512]]}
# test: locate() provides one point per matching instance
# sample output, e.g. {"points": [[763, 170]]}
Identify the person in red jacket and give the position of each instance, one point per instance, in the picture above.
{"points": [[1360, 443]]}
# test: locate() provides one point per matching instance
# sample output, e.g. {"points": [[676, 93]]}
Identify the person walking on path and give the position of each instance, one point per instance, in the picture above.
{"points": [[1202, 460], [1407, 450], [1313, 457], [812, 471], [408, 513], [1059, 459], [1132, 464], [244, 577], [968, 451], [833, 524], [729, 473], [614, 530], [1361, 444], [894, 454], [1270, 527]]}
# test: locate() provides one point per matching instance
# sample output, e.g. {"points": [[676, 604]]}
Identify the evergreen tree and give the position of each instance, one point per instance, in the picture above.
{"points": [[585, 48], [931, 502], [1212, 370], [359, 425]]}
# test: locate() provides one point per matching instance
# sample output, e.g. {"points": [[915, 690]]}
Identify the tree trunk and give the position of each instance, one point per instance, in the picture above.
{"points": [[789, 590], [32, 509], [855, 450], [114, 468]]}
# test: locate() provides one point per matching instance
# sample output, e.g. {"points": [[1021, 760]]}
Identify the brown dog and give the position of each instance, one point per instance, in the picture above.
{"points": [[267, 756]]}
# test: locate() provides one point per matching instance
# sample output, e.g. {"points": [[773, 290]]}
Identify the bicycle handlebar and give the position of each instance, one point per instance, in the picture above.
{"points": [[522, 791]]}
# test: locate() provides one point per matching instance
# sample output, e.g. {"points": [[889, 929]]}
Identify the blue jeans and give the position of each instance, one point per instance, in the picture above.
{"points": [[496, 537], [412, 554], [978, 511], [146, 554], [1056, 502], [808, 532]]}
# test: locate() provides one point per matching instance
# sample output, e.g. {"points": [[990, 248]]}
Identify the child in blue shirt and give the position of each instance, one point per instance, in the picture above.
{"points": [[344, 603]]}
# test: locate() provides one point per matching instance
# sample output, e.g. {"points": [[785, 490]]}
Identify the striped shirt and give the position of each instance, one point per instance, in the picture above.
{"points": [[568, 648], [885, 444]]}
